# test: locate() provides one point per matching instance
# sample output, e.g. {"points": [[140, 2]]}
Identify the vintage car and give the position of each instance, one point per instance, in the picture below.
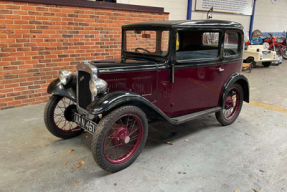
{"points": [[173, 71], [259, 54]]}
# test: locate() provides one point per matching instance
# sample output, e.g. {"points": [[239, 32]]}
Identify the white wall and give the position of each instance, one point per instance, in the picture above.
{"points": [[270, 17], [243, 19], [177, 8]]}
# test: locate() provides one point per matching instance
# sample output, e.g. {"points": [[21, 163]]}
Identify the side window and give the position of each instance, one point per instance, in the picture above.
{"points": [[193, 45], [210, 39], [231, 42]]}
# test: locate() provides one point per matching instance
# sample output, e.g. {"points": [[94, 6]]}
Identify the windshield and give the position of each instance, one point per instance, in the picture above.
{"points": [[151, 42]]}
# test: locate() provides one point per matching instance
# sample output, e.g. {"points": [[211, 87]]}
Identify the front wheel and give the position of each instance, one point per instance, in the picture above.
{"points": [[58, 117], [284, 53], [266, 64], [233, 104], [119, 138]]}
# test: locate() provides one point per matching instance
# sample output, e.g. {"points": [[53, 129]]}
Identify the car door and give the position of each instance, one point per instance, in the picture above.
{"points": [[197, 72], [232, 53]]}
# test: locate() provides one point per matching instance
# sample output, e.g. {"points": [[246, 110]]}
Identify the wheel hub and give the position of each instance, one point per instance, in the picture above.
{"points": [[69, 112], [121, 136], [229, 102]]}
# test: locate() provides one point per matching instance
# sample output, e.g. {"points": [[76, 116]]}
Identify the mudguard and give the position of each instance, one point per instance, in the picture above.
{"points": [[57, 88], [116, 99], [236, 78]]}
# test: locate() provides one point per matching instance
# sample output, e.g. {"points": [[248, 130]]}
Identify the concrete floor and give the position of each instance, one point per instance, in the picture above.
{"points": [[251, 153]]}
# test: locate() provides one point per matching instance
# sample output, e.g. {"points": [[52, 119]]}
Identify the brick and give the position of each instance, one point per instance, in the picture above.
{"points": [[5, 11], [33, 86], [41, 9], [13, 17], [6, 22], [20, 12], [21, 97], [36, 31], [12, 85], [20, 22], [36, 41], [34, 13], [14, 103], [35, 22], [28, 8], [26, 17], [8, 49], [2, 100], [26, 83], [4, 54]]}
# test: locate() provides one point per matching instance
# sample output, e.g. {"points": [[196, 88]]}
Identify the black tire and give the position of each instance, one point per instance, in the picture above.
{"points": [[266, 64], [220, 115], [284, 53], [103, 129], [50, 121], [251, 60]]}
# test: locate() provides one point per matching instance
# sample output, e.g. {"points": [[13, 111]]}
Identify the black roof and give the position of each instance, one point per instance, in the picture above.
{"points": [[187, 23]]}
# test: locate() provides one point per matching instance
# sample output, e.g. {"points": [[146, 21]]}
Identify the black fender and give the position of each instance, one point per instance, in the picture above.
{"points": [[110, 101], [57, 88], [241, 80]]}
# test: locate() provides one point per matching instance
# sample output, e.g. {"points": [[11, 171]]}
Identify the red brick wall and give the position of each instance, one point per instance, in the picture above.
{"points": [[38, 40]]}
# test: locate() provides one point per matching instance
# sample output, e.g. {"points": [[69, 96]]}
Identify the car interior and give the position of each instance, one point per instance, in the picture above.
{"points": [[196, 45]]}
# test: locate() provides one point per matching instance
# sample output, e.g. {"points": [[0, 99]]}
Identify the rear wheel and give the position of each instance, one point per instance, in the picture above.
{"points": [[266, 64], [119, 138], [233, 104], [58, 117]]}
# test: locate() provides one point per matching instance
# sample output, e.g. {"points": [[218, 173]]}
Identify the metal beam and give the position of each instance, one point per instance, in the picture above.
{"points": [[252, 20], [189, 7]]}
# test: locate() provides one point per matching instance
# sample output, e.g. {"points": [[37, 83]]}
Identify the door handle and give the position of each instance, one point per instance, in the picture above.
{"points": [[220, 69]]}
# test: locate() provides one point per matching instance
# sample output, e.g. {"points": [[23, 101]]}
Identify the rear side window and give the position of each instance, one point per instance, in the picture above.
{"points": [[231, 42], [194, 45]]}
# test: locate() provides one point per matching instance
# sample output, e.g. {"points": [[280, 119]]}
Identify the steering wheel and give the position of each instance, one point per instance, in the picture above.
{"points": [[139, 48], [228, 52]]}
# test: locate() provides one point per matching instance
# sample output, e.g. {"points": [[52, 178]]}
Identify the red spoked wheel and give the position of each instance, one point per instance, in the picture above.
{"points": [[58, 117], [119, 138], [123, 138], [233, 105]]}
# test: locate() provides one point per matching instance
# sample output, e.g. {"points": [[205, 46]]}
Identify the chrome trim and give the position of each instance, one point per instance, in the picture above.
{"points": [[89, 68]]}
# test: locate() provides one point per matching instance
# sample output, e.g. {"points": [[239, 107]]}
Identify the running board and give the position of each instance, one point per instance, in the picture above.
{"points": [[191, 116]]}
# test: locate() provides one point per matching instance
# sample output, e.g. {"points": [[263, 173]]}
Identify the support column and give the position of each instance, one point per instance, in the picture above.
{"points": [[252, 20], [189, 9]]}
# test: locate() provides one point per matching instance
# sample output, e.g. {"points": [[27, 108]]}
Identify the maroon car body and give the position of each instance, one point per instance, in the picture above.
{"points": [[173, 71]]}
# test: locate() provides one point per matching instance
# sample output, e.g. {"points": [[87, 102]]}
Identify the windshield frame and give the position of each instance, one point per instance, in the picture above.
{"points": [[126, 53]]}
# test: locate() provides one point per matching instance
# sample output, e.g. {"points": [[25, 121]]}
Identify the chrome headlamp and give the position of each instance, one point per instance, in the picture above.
{"points": [[98, 86], [66, 77]]}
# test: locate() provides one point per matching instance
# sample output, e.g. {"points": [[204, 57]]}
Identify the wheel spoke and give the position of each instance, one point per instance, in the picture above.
{"points": [[133, 131], [133, 125], [135, 138], [128, 122], [59, 121]]}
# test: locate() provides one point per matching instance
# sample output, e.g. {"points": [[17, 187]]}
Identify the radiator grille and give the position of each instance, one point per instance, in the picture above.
{"points": [[84, 93]]}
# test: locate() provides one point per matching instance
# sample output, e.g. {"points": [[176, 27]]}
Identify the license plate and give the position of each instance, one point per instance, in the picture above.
{"points": [[85, 123]]}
